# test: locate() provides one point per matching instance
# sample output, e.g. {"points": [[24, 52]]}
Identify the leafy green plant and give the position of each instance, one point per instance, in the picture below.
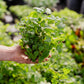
{"points": [[14, 73], [72, 18], [60, 69], [75, 34], [4, 38], [40, 33], [2, 8], [42, 3], [24, 10]]}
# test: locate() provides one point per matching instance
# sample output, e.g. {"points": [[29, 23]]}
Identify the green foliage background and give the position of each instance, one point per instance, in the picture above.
{"points": [[60, 69]]}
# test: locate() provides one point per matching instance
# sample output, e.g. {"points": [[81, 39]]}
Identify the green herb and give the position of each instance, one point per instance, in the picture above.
{"points": [[40, 33]]}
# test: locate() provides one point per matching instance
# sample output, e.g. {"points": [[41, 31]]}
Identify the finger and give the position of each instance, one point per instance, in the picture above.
{"points": [[46, 59], [25, 61], [49, 56], [28, 61], [24, 56]]}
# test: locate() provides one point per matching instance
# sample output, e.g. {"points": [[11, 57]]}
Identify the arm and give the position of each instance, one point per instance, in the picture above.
{"points": [[6, 53], [15, 54]]}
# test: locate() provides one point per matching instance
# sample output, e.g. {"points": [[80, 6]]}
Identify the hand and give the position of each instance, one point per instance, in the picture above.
{"points": [[20, 57]]}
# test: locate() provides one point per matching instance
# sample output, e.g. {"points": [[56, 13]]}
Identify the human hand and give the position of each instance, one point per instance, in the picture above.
{"points": [[20, 57]]}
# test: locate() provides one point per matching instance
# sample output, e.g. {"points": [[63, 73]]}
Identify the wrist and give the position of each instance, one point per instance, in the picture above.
{"points": [[11, 53], [6, 53]]}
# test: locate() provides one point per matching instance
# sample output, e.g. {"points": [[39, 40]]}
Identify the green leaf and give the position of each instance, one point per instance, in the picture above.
{"points": [[1, 76], [41, 48]]}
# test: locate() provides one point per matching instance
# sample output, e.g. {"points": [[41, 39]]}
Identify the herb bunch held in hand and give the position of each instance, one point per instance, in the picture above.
{"points": [[38, 32]]}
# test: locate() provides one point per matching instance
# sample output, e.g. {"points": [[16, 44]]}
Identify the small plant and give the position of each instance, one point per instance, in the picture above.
{"points": [[24, 10], [42, 3], [72, 18], [4, 38], [40, 33], [74, 38], [2, 8]]}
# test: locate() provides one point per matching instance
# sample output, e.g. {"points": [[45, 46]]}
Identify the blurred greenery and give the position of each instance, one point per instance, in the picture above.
{"points": [[64, 67], [4, 38], [74, 38], [24, 10], [42, 3], [71, 16], [2, 9]]}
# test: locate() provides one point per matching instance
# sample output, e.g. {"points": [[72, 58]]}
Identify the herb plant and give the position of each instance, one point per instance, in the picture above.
{"points": [[40, 33]]}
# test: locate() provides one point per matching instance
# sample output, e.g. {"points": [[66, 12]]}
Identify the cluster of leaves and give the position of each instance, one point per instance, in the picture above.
{"points": [[40, 33], [4, 38], [75, 34], [75, 44], [14, 73], [74, 38], [61, 69], [42, 3], [24, 10], [71, 16], [2, 8]]}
